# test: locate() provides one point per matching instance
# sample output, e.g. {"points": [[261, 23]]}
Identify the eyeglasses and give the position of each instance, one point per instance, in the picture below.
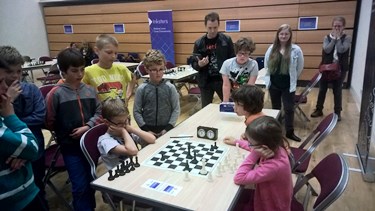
{"points": [[157, 70], [241, 53], [120, 124]]}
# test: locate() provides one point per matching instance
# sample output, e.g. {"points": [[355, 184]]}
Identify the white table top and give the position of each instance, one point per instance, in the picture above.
{"points": [[178, 75], [27, 66], [198, 193], [129, 64]]}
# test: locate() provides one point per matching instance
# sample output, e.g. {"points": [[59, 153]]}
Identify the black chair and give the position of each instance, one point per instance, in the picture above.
{"points": [[332, 174]]}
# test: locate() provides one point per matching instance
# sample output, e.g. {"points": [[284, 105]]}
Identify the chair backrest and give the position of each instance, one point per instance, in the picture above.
{"points": [[26, 58], [314, 80], [332, 174], [169, 65], [54, 69], [45, 58], [45, 89], [260, 61], [141, 69], [94, 61], [89, 146], [324, 128], [121, 57]]}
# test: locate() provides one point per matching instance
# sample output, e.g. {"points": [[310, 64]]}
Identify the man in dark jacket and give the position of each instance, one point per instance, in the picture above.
{"points": [[210, 51]]}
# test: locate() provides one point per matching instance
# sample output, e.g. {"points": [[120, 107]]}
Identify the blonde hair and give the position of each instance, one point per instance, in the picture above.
{"points": [[275, 52], [339, 18], [112, 107], [105, 39], [153, 57]]}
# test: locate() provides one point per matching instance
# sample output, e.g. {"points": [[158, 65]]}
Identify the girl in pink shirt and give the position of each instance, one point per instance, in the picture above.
{"points": [[271, 175]]}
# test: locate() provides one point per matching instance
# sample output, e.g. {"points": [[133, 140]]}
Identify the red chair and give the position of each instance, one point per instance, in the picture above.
{"points": [[45, 59], [54, 164], [169, 65], [302, 98], [89, 146], [94, 61], [332, 174], [51, 76], [300, 157]]}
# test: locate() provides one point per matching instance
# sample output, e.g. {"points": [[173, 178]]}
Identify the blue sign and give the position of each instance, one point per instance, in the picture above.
{"points": [[68, 29], [118, 28], [232, 25], [308, 23], [161, 32]]}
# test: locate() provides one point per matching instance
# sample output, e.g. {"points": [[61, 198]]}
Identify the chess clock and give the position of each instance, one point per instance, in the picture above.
{"points": [[207, 133]]}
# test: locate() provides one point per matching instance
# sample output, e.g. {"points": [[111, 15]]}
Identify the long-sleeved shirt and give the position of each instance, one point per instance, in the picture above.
{"points": [[295, 66], [30, 107], [17, 188], [68, 109], [273, 179], [156, 105]]}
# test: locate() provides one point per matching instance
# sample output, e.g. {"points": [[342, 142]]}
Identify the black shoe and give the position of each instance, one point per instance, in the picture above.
{"points": [[292, 136], [338, 117], [317, 113]]}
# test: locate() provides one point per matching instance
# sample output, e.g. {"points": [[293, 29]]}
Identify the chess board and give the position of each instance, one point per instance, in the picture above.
{"points": [[175, 153]]}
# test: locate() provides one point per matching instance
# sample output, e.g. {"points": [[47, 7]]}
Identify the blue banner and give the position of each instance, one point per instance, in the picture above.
{"points": [[161, 32]]}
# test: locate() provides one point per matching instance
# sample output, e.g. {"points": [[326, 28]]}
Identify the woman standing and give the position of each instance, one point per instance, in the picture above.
{"points": [[284, 63], [335, 49]]}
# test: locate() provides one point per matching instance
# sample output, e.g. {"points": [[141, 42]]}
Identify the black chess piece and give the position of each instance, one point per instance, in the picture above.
{"points": [[121, 170], [212, 148], [216, 147], [127, 167], [136, 164], [162, 156], [117, 171], [194, 161], [188, 156], [131, 164], [187, 168], [111, 177]]}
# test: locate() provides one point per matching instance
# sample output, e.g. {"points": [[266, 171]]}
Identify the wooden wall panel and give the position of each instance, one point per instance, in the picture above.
{"points": [[167, 4], [259, 20]]}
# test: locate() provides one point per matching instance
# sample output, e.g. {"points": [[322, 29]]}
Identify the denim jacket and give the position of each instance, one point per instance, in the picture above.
{"points": [[295, 66]]}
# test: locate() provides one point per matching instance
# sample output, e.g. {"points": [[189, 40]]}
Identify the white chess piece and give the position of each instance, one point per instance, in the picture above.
{"points": [[186, 178], [203, 170], [209, 177]]}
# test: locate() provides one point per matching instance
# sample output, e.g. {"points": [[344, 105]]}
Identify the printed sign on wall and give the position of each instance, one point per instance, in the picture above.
{"points": [[161, 32]]}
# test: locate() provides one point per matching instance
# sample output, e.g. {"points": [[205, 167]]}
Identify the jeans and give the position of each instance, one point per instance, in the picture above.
{"points": [[207, 92], [79, 174], [278, 95], [337, 93]]}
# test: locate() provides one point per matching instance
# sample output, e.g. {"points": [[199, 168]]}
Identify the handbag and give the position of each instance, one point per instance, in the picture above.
{"points": [[330, 72]]}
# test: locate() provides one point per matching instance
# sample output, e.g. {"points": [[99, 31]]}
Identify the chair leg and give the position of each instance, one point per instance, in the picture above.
{"points": [[57, 192], [301, 115]]}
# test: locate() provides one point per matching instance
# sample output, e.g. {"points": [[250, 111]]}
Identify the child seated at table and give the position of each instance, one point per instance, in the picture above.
{"points": [[248, 102], [271, 175], [156, 104], [121, 138]]}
